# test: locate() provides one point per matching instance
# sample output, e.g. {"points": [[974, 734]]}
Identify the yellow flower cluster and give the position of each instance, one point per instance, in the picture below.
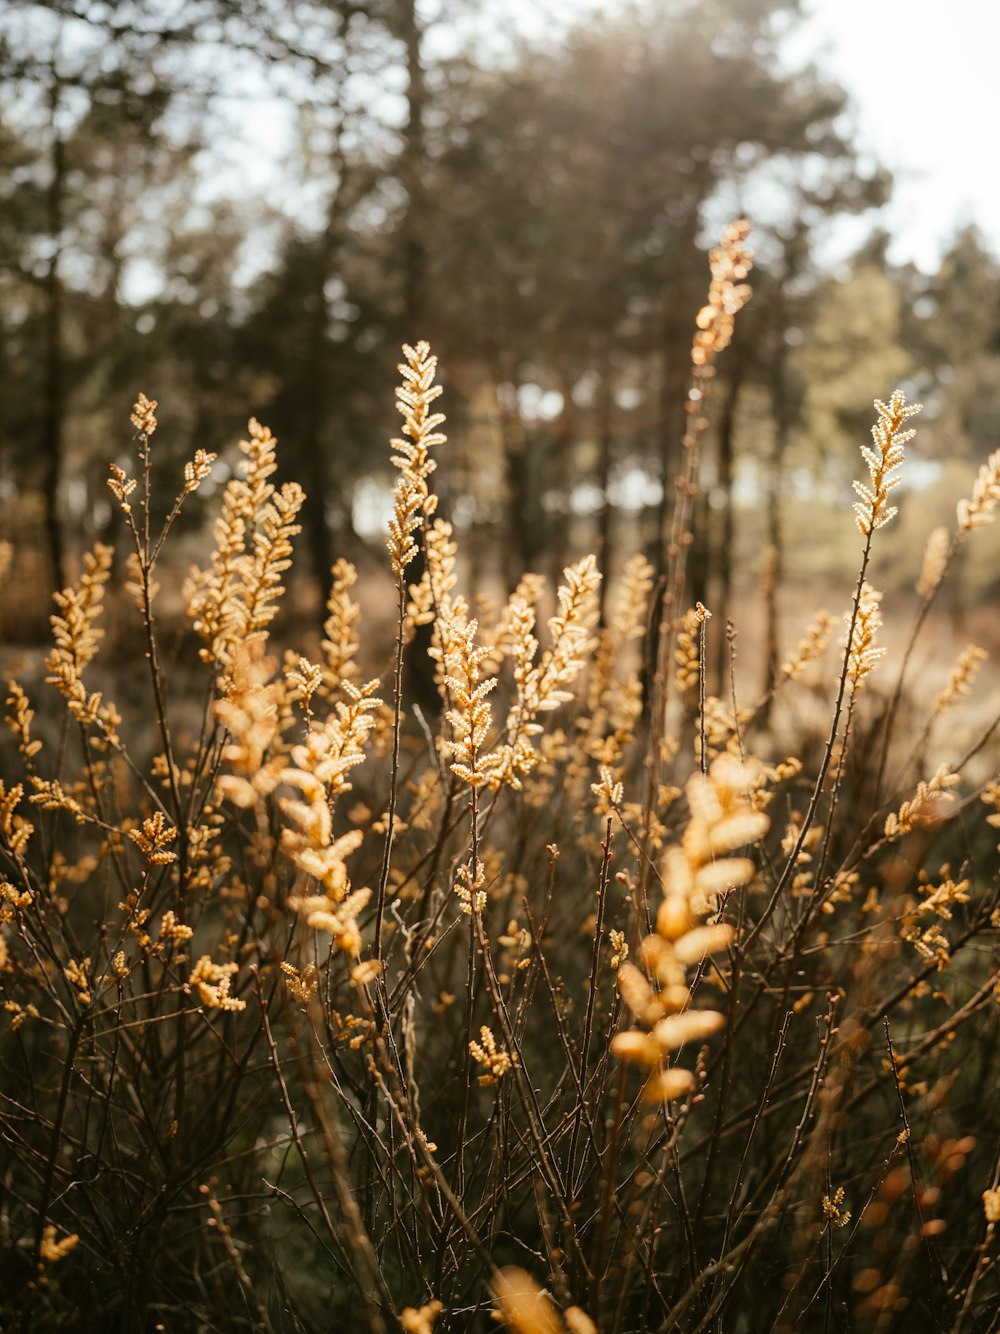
{"points": [[152, 837], [543, 685], [471, 717], [697, 874], [527, 1309], [420, 1320], [930, 804], [810, 647], [873, 510], [962, 676], [979, 508], [237, 596], [413, 501], [728, 293], [863, 652], [213, 981], [77, 638], [687, 655], [495, 1061], [340, 643]]}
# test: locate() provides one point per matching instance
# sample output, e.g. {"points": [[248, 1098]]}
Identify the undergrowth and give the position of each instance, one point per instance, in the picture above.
{"points": [[586, 1001]]}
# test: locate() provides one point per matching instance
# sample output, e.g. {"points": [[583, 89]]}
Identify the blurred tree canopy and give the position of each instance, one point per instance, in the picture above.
{"points": [[538, 207]]}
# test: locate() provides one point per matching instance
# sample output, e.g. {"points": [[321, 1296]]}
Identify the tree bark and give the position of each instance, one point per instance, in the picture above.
{"points": [[783, 412], [675, 343], [774, 569], [53, 408], [415, 226], [560, 479], [605, 460], [727, 526], [523, 510]]}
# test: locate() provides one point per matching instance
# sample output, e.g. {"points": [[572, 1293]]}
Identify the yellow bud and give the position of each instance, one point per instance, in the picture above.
{"points": [[667, 1084], [690, 1026], [674, 918], [635, 1046]]}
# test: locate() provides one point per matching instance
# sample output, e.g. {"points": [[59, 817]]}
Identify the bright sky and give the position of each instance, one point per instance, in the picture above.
{"points": [[925, 80]]}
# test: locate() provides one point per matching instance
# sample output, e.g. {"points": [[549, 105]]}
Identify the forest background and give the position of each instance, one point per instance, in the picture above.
{"points": [[269, 1091], [248, 207]]}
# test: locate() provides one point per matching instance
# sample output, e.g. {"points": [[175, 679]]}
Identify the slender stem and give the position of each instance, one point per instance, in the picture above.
{"points": [[588, 1027], [383, 879], [351, 1232], [824, 767], [57, 1125], [897, 694]]}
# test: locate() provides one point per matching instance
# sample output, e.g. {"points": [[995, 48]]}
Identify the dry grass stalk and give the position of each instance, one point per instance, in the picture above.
{"points": [[247, 980]]}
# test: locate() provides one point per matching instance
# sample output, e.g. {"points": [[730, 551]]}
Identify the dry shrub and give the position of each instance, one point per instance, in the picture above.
{"points": [[620, 1006]]}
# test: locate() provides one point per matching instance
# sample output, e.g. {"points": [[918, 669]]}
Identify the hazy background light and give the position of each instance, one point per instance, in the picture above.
{"points": [[925, 92], [924, 101]]}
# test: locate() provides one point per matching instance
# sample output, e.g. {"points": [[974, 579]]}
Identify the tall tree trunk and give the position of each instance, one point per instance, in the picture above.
{"points": [[783, 411], [325, 540], [605, 460], [675, 344], [316, 411], [699, 561], [521, 543], [781, 414], [53, 408], [415, 227], [675, 377], [727, 526], [673, 390], [560, 483]]}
